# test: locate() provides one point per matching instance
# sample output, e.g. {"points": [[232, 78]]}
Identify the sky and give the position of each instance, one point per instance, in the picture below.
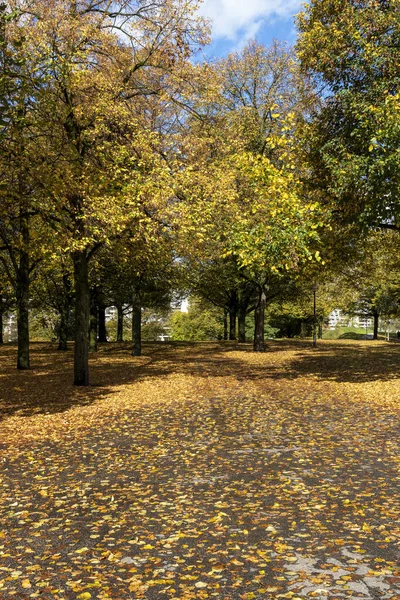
{"points": [[234, 22]]}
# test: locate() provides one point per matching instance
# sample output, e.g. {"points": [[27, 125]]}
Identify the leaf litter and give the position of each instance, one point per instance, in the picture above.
{"points": [[202, 471]]}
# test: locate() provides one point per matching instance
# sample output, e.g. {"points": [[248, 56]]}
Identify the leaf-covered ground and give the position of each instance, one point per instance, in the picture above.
{"points": [[202, 471]]}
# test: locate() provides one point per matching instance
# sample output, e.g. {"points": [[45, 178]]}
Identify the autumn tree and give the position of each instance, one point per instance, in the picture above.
{"points": [[221, 283], [99, 63], [138, 271], [22, 236], [248, 194]]}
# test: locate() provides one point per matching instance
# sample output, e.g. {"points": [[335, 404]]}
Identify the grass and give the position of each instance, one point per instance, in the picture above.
{"points": [[355, 333]]}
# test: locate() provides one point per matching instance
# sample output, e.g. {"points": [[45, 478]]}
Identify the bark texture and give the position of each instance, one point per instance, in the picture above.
{"points": [[376, 325], [259, 317], [102, 324], [22, 294], [82, 304], [93, 325]]}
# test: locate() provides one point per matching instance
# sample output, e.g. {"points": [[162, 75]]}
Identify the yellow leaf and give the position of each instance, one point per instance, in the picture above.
{"points": [[26, 584], [85, 596]]}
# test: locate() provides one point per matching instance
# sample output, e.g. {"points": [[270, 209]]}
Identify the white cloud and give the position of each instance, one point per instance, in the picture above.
{"points": [[245, 17]]}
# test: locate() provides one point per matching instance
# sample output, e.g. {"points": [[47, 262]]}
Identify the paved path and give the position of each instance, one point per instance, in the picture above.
{"points": [[278, 489]]}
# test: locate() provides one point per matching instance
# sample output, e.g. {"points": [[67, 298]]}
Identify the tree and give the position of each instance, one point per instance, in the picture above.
{"points": [[351, 51], [100, 62], [53, 290], [221, 283], [138, 271], [370, 283], [22, 238], [258, 216]]}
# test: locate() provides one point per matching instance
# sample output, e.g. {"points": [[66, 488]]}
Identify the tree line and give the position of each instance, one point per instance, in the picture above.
{"points": [[131, 170]]}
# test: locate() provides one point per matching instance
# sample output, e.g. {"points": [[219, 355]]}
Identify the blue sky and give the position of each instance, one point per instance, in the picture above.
{"points": [[236, 21]]}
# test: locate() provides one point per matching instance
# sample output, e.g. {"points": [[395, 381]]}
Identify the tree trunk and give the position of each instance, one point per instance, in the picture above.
{"points": [[376, 325], [93, 325], [64, 308], [225, 324], [120, 324], [63, 334], [22, 294], [1, 328], [320, 330], [82, 306], [102, 324], [136, 324], [259, 316], [233, 309], [232, 323], [242, 324]]}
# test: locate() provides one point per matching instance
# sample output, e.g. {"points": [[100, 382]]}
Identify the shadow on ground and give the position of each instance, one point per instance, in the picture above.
{"points": [[48, 389]]}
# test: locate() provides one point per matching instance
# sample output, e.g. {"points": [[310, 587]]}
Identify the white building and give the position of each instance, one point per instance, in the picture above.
{"points": [[337, 318]]}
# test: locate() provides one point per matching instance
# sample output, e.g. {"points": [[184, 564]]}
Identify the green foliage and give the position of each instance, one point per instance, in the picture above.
{"points": [[43, 325], [200, 323], [270, 330], [351, 50], [153, 330], [155, 322]]}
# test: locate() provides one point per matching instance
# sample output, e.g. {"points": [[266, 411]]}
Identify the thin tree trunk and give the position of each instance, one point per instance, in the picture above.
{"points": [[259, 316], [136, 324], [242, 323], [376, 325], [232, 323], [22, 294], [65, 308], [102, 324], [82, 305], [1, 328], [93, 325], [63, 334], [120, 324], [225, 324]]}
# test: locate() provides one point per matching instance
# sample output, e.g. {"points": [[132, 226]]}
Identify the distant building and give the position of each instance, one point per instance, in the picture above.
{"points": [[337, 318]]}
